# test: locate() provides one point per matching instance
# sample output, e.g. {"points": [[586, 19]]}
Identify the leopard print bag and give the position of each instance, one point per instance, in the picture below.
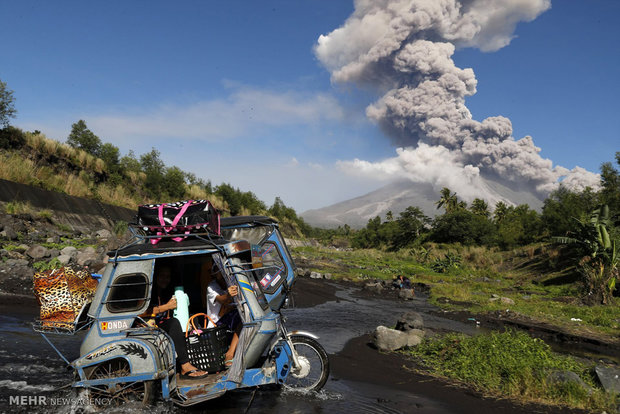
{"points": [[61, 294]]}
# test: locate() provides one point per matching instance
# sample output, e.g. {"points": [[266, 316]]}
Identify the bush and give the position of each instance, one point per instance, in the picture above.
{"points": [[17, 207], [11, 137]]}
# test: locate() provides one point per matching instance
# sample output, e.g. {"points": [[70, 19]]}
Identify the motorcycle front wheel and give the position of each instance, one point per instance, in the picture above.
{"points": [[313, 367]]}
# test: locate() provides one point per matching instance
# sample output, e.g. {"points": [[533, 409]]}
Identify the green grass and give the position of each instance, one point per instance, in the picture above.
{"points": [[510, 364], [66, 242], [46, 265], [17, 207]]}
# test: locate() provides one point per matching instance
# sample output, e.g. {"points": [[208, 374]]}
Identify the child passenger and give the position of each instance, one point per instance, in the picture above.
{"points": [[222, 310]]}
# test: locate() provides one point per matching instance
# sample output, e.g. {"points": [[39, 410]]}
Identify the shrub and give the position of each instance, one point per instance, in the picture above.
{"points": [[44, 265], [17, 207], [11, 137], [120, 227], [45, 215]]}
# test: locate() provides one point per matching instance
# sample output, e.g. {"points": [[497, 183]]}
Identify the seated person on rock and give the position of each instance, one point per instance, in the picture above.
{"points": [[221, 309], [162, 302]]}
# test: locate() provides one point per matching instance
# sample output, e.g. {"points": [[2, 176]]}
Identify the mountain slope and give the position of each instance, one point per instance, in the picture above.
{"points": [[396, 197]]}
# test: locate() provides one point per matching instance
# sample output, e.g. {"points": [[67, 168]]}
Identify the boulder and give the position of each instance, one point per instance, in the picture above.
{"points": [[70, 251], [16, 263], [19, 227], [507, 301], [409, 321], [406, 294], [316, 275], [386, 339], [8, 233], [64, 259], [414, 337], [103, 234], [37, 252], [87, 256], [609, 378], [327, 276], [53, 239], [373, 287], [565, 377]]}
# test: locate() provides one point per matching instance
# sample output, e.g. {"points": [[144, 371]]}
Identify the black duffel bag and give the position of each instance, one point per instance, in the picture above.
{"points": [[179, 218]]}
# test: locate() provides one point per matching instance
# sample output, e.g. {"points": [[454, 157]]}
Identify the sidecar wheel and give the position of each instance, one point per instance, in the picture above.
{"points": [[142, 393], [314, 370]]}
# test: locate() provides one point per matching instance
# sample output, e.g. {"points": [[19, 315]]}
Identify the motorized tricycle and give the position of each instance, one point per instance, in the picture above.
{"points": [[123, 358]]}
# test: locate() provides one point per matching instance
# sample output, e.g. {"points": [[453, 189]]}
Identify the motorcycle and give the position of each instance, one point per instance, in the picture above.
{"points": [[125, 358]]}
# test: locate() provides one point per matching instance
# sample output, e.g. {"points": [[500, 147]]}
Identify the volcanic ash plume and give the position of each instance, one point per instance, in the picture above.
{"points": [[404, 48]]}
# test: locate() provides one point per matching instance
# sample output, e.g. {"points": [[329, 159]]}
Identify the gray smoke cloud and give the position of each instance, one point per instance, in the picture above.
{"points": [[404, 49]]}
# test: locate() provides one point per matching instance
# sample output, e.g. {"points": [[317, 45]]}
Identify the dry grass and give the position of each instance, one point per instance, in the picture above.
{"points": [[137, 178], [100, 166], [76, 186], [118, 196], [15, 168]]}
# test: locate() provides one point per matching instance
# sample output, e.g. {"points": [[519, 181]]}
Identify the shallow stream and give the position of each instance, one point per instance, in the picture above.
{"points": [[30, 367]]}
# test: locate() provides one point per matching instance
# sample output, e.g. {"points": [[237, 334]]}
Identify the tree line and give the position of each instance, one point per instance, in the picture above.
{"points": [[503, 225]]}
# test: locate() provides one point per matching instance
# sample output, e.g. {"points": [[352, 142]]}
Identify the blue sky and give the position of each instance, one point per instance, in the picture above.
{"points": [[233, 92]]}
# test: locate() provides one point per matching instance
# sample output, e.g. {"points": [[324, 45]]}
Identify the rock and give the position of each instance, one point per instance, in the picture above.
{"points": [[53, 239], [70, 251], [507, 301], [23, 247], [53, 253], [37, 252], [19, 227], [14, 254], [414, 337], [64, 259], [386, 339], [87, 257], [609, 378], [406, 294], [373, 287], [8, 233], [327, 276], [495, 296], [316, 275], [103, 234], [16, 262], [409, 321], [564, 377]]}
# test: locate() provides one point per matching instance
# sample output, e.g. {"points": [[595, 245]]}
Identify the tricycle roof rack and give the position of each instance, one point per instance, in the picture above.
{"points": [[140, 242], [251, 220]]}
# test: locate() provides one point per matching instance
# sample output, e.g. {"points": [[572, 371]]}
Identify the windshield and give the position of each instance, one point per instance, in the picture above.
{"points": [[255, 235]]}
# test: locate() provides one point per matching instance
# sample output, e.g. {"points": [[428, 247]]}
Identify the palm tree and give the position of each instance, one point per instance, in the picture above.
{"points": [[480, 207], [501, 210], [448, 200]]}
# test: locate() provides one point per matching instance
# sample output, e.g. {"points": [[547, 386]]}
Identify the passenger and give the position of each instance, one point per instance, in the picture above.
{"points": [[397, 283], [164, 320], [222, 310]]}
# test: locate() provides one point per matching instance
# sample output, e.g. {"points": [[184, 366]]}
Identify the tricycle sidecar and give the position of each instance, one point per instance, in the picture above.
{"points": [[123, 358]]}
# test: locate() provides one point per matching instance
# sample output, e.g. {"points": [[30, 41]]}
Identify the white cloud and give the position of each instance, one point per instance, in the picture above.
{"points": [[243, 111]]}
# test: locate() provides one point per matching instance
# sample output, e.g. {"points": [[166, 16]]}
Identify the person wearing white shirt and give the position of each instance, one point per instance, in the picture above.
{"points": [[222, 310]]}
